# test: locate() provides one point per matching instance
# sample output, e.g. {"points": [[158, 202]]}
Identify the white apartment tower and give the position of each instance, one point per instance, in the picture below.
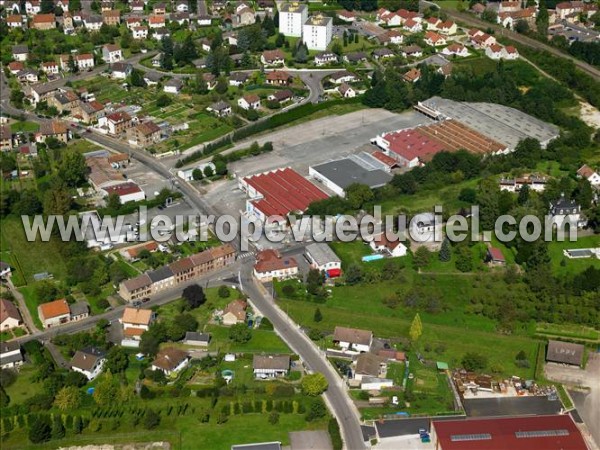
{"points": [[292, 17], [317, 32]]}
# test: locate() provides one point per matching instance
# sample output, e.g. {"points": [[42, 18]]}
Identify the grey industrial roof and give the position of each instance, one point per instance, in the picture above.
{"points": [[565, 352], [162, 273], [583, 253], [345, 172], [501, 123], [322, 253]]}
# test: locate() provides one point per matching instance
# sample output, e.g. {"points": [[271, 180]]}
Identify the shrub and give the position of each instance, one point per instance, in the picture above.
{"points": [[274, 418]]}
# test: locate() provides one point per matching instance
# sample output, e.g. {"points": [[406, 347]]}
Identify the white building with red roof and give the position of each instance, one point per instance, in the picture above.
{"points": [[127, 192], [270, 264], [278, 193], [409, 147], [393, 248]]}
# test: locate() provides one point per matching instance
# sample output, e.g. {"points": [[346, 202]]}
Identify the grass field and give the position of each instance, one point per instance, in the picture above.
{"points": [[24, 387], [577, 332], [24, 127], [262, 341], [572, 266]]}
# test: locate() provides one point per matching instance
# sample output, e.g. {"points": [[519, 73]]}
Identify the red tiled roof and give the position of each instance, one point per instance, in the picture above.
{"points": [[270, 260], [283, 191], [496, 254], [43, 18], [54, 309], [411, 144], [387, 160], [501, 433], [123, 189]]}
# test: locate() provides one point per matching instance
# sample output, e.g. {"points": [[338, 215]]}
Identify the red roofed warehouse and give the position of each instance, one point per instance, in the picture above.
{"points": [[513, 433], [278, 193]]}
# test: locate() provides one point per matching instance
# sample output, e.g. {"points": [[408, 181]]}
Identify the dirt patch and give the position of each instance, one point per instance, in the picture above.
{"points": [[590, 115]]}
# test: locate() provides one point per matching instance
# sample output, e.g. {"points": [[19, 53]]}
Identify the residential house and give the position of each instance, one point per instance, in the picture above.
{"points": [[159, 8], [133, 22], [183, 269], [270, 264], [412, 26], [390, 37], [53, 128], [144, 134], [6, 137], [369, 365], [170, 360], [131, 253], [455, 49], [33, 7], [54, 313], [272, 57], [137, 6], [317, 32], [182, 6], [383, 53], [249, 101], [412, 51], [511, 53], [50, 67], [64, 101], [196, 339], [89, 362], [135, 322], [20, 52], [323, 258], [346, 91], [14, 21], [220, 109], [534, 183], [15, 67], [393, 248], [565, 211], [589, 174], [43, 22], [173, 86], [204, 20], [434, 39], [279, 78], [162, 278], [88, 112], [28, 76], [353, 339], [346, 16], [234, 312], [155, 22], [92, 23], [237, 78], [136, 288], [447, 28], [112, 53], [412, 76], [324, 58], [432, 23], [565, 353], [120, 70], [281, 96], [270, 366], [210, 79], [84, 61], [152, 78], [355, 57], [160, 32], [10, 317], [111, 18], [11, 356], [494, 51], [343, 76], [180, 18], [292, 17], [140, 32], [244, 16], [483, 40], [116, 123], [495, 257]]}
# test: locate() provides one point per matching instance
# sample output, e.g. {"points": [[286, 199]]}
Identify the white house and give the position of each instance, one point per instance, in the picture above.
{"points": [[269, 366], [325, 58], [494, 51], [84, 61], [434, 39], [317, 32], [88, 362], [455, 49], [249, 101], [564, 210], [140, 32], [394, 248], [234, 312], [270, 264], [322, 258], [173, 86], [346, 91], [589, 174], [112, 53], [353, 339], [54, 313], [92, 23], [120, 71], [10, 355], [170, 360], [292, 17], [188, 174], [135, 321], [10, 317]]}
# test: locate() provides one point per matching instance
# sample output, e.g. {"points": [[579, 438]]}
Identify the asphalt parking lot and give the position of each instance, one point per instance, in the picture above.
{"points": [[150, 182], [511, 406]]}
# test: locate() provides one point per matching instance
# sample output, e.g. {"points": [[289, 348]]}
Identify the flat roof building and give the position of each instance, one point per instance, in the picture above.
{"points": [[338, 175]]}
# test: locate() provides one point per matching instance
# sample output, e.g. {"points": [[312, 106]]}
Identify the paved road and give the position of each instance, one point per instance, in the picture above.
{"points": [[521, 39], [336, 396]]}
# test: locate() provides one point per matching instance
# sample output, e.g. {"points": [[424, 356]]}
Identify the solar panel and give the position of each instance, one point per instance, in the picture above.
{"points": [[541, 433], [471, 437]]}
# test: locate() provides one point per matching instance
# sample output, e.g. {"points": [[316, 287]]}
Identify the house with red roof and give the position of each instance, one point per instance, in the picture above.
{"points": [[270, 264], [495, 257], [391, 247], [455, 49], [278, 193], [434, 39], [127, 192]]}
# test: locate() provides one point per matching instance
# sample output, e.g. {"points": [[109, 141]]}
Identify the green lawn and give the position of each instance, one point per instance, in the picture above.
{"points": [[570, 331], [32, 303], [25, 127], [572, 266], [262, 341], [24, 387]]}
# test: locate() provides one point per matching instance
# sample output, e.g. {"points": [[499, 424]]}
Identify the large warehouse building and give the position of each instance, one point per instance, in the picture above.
{"points": [[278, 193], [362, 168]]}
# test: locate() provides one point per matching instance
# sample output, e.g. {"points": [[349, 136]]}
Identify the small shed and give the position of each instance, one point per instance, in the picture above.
{"points": [[196, 339], [441, 366]]}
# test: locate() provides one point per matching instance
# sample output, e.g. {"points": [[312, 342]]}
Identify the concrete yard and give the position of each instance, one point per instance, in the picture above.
{"points": [[310, 143], [511, 406]]}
